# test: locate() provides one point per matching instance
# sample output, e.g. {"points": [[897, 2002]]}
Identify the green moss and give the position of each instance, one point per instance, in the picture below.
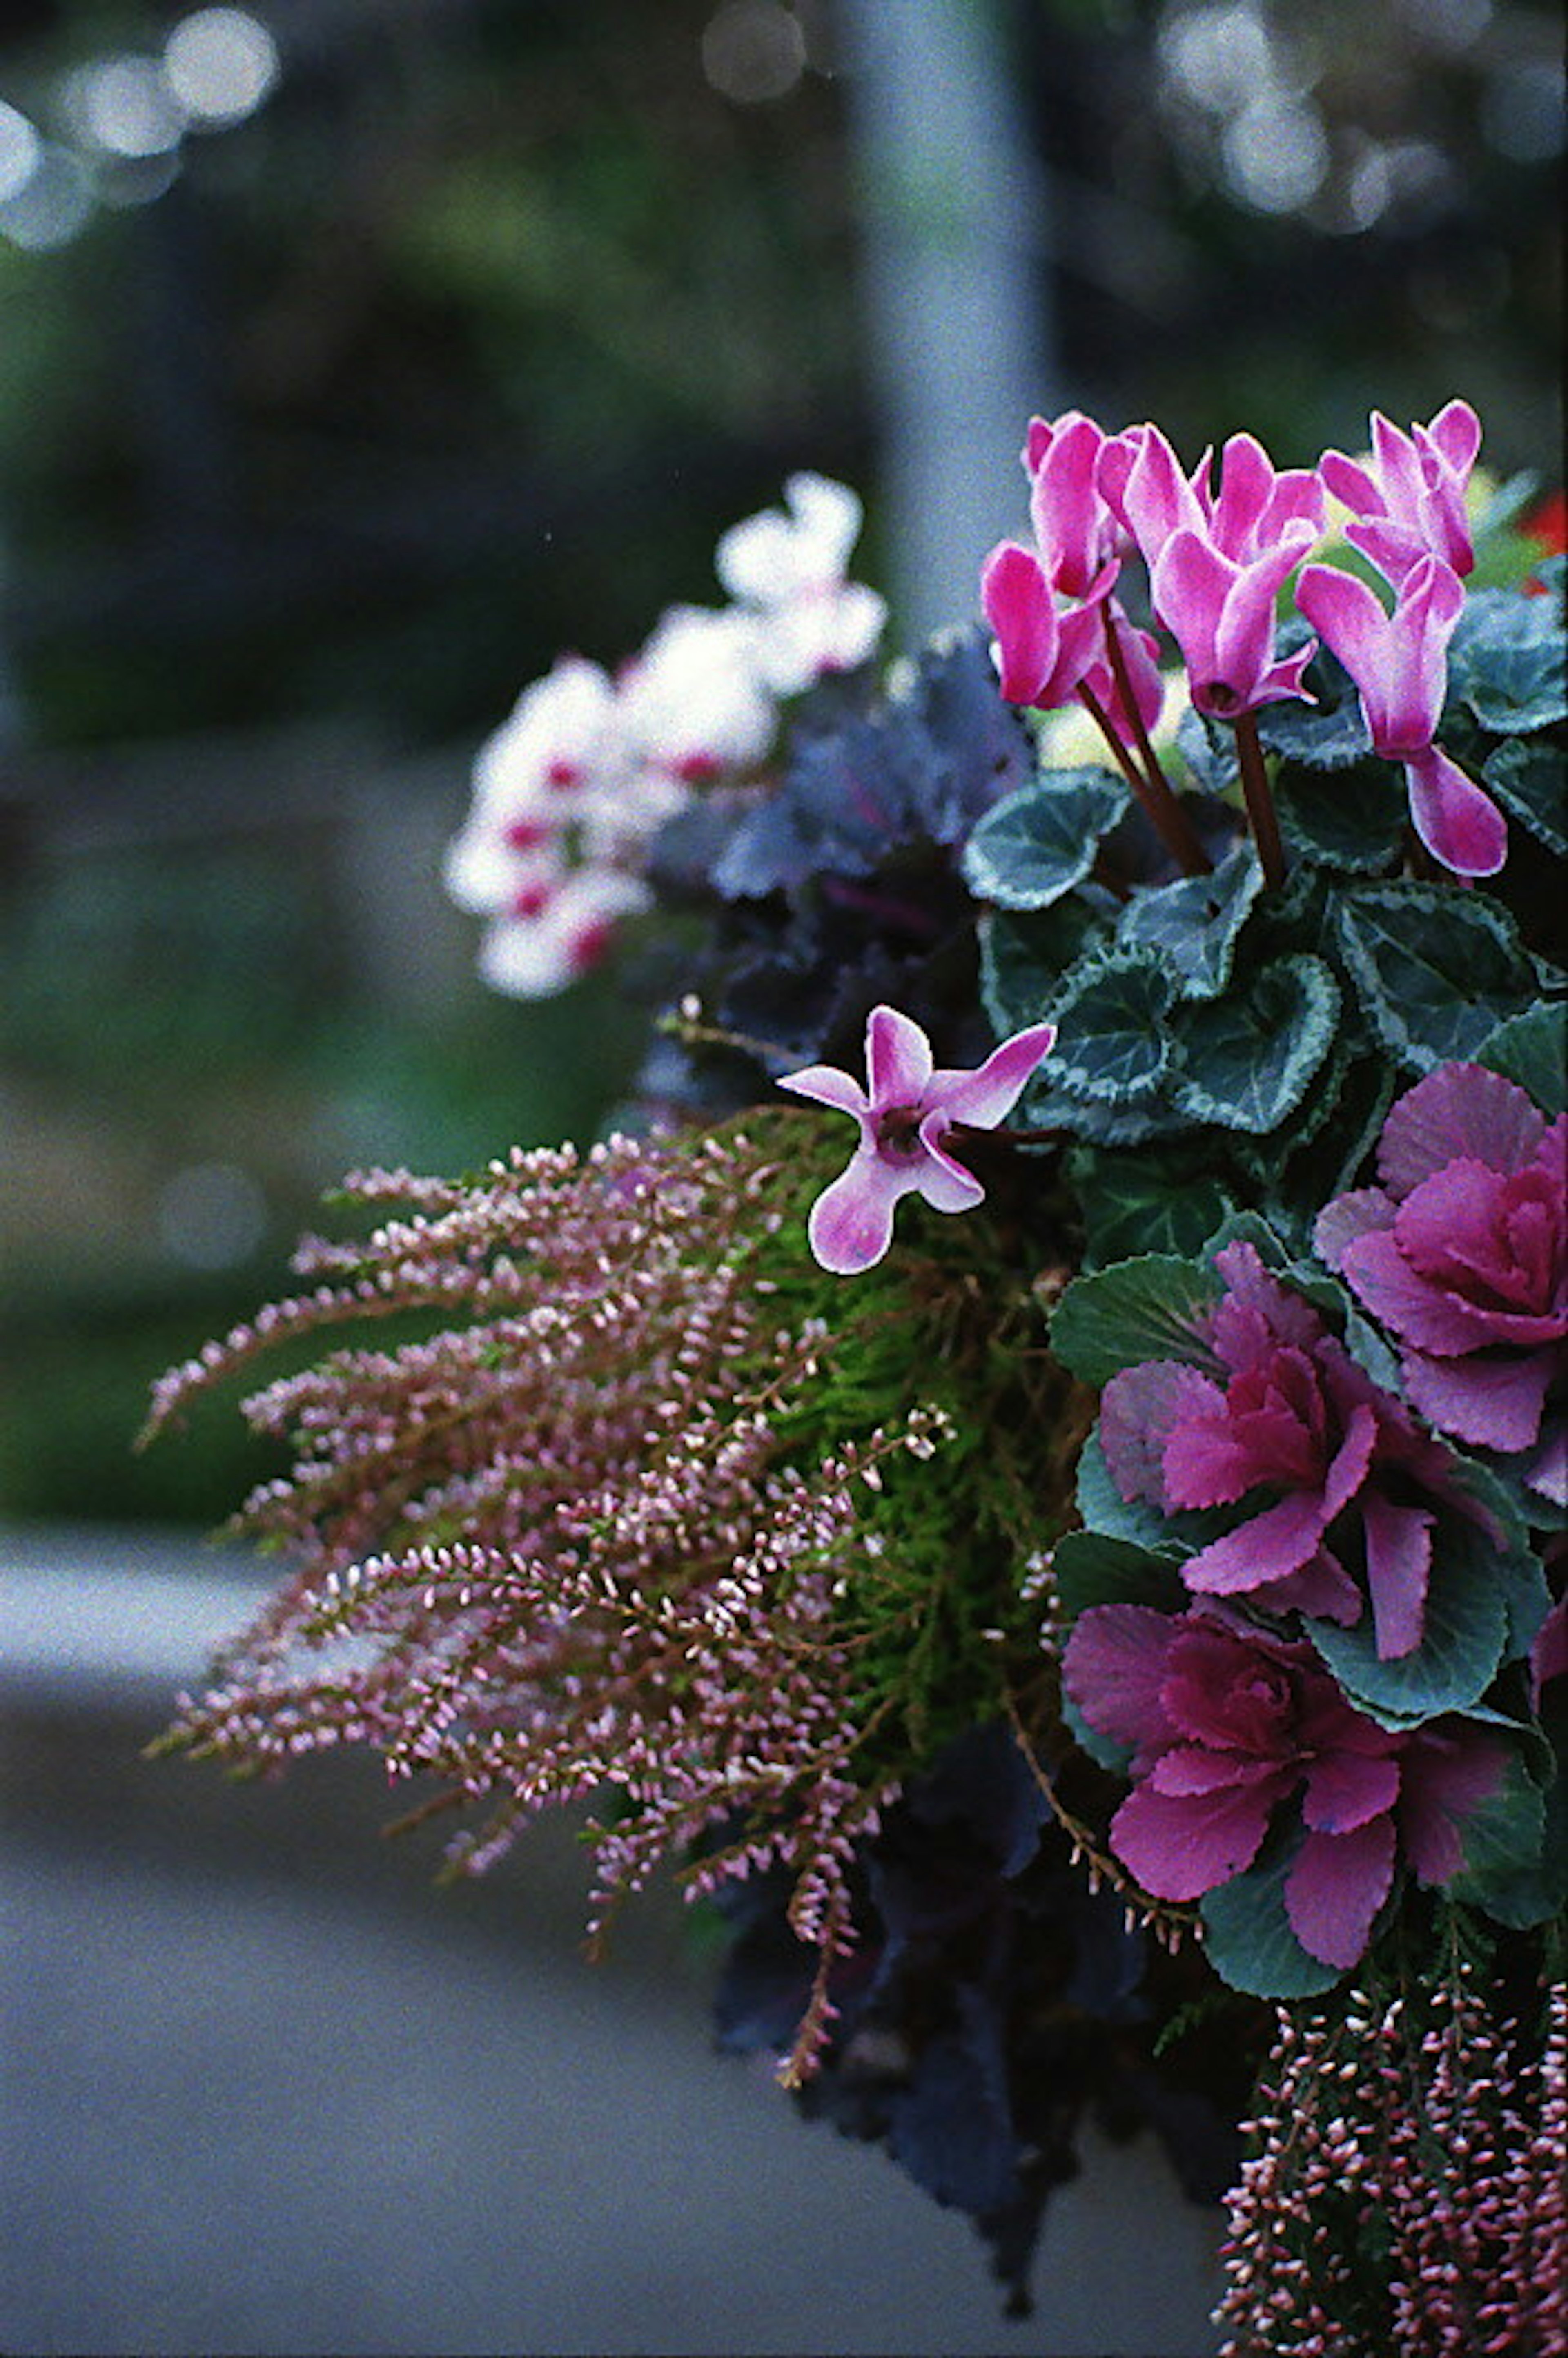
{"points": [[952, 1321]]}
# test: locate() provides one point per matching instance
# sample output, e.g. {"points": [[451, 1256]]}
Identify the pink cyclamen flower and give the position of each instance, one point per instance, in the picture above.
{"points": [[1218, 561], [1410, 500], [1256, 507], [1045, 651], [1271, 1410], [1080, 539], [1400, 665], [905, 1124], [1462, 1252], [1227, 1723]]}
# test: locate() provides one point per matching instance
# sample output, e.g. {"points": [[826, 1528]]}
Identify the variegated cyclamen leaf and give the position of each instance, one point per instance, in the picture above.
{"points": [[1194, 923], [1039, 843], [1436, 969], [1244, 1061]]}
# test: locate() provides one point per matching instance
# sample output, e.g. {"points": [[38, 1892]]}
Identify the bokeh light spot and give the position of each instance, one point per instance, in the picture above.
{"points": [[21, 150], [123, 106], [210, 1215], [52, 205], [221, 63], [753, 50], [1522, 111], [1276, 155]]}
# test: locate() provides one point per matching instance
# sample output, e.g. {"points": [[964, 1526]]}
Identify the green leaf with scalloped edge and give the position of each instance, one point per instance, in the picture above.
{"points": [[1244, 1061], [1092, 1568], [1533, 1049], [1462, 1643], [1528, 776], [1023, 957], [1038, 844], [1249, 1940], [1150, 1308], [1508, 662], [1437, 969], [1329, 733], [1112, 1037], [1353, 821], [1194, 923], [1208, 749]]}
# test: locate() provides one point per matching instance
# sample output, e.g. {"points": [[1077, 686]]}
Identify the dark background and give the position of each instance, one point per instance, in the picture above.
{"points": [[323, 428]]}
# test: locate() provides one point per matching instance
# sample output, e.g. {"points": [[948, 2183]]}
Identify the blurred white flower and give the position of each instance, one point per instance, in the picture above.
{"points": [[563, 737], [693, 701], [564, 931], [789, 568]]}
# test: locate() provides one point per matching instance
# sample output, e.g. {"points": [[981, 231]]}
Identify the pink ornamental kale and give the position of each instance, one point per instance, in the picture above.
{"points": [[1462, 1252], [1343, 1490], [906, 1127], [1226, 1724]]}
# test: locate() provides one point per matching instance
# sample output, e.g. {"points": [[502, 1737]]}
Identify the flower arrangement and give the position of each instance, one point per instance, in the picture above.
{"points": [[1067, 1563]]}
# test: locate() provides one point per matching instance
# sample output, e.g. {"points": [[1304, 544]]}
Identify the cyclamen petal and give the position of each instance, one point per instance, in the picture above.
{"points": [[1460, 825], [905, 1122], [898, 1057], [850, 1226], [988, 1094]]}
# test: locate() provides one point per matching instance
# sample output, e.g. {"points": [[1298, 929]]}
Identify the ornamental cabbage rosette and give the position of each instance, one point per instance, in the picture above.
{"points": [[1461, 1252]]}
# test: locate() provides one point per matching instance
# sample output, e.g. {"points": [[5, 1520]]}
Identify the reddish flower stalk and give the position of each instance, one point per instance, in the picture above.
{"points": [[1260, 800], [1169, 819]]}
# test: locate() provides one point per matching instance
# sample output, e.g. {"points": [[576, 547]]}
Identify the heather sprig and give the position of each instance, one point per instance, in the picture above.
{"points": [[1405, 2187], [608, 1528]]}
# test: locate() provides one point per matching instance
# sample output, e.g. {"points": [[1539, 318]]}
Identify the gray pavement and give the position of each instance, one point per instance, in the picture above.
{"points": [[264, 2089]]}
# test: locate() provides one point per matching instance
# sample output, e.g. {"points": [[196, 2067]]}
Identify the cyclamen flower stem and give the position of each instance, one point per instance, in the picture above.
{"points": [[1170, 824], [1260, 800], [1164, 810]]}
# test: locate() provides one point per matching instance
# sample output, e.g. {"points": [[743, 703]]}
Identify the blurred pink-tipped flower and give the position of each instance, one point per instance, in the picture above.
{"points": [[1400, 665], [1279, 1413], [1462, 1252], [560, 926], [1227, 1723], [1218, 561], [1409, 500], [1081, 541], [905, 1123], [692, 703], [787, 567]]}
